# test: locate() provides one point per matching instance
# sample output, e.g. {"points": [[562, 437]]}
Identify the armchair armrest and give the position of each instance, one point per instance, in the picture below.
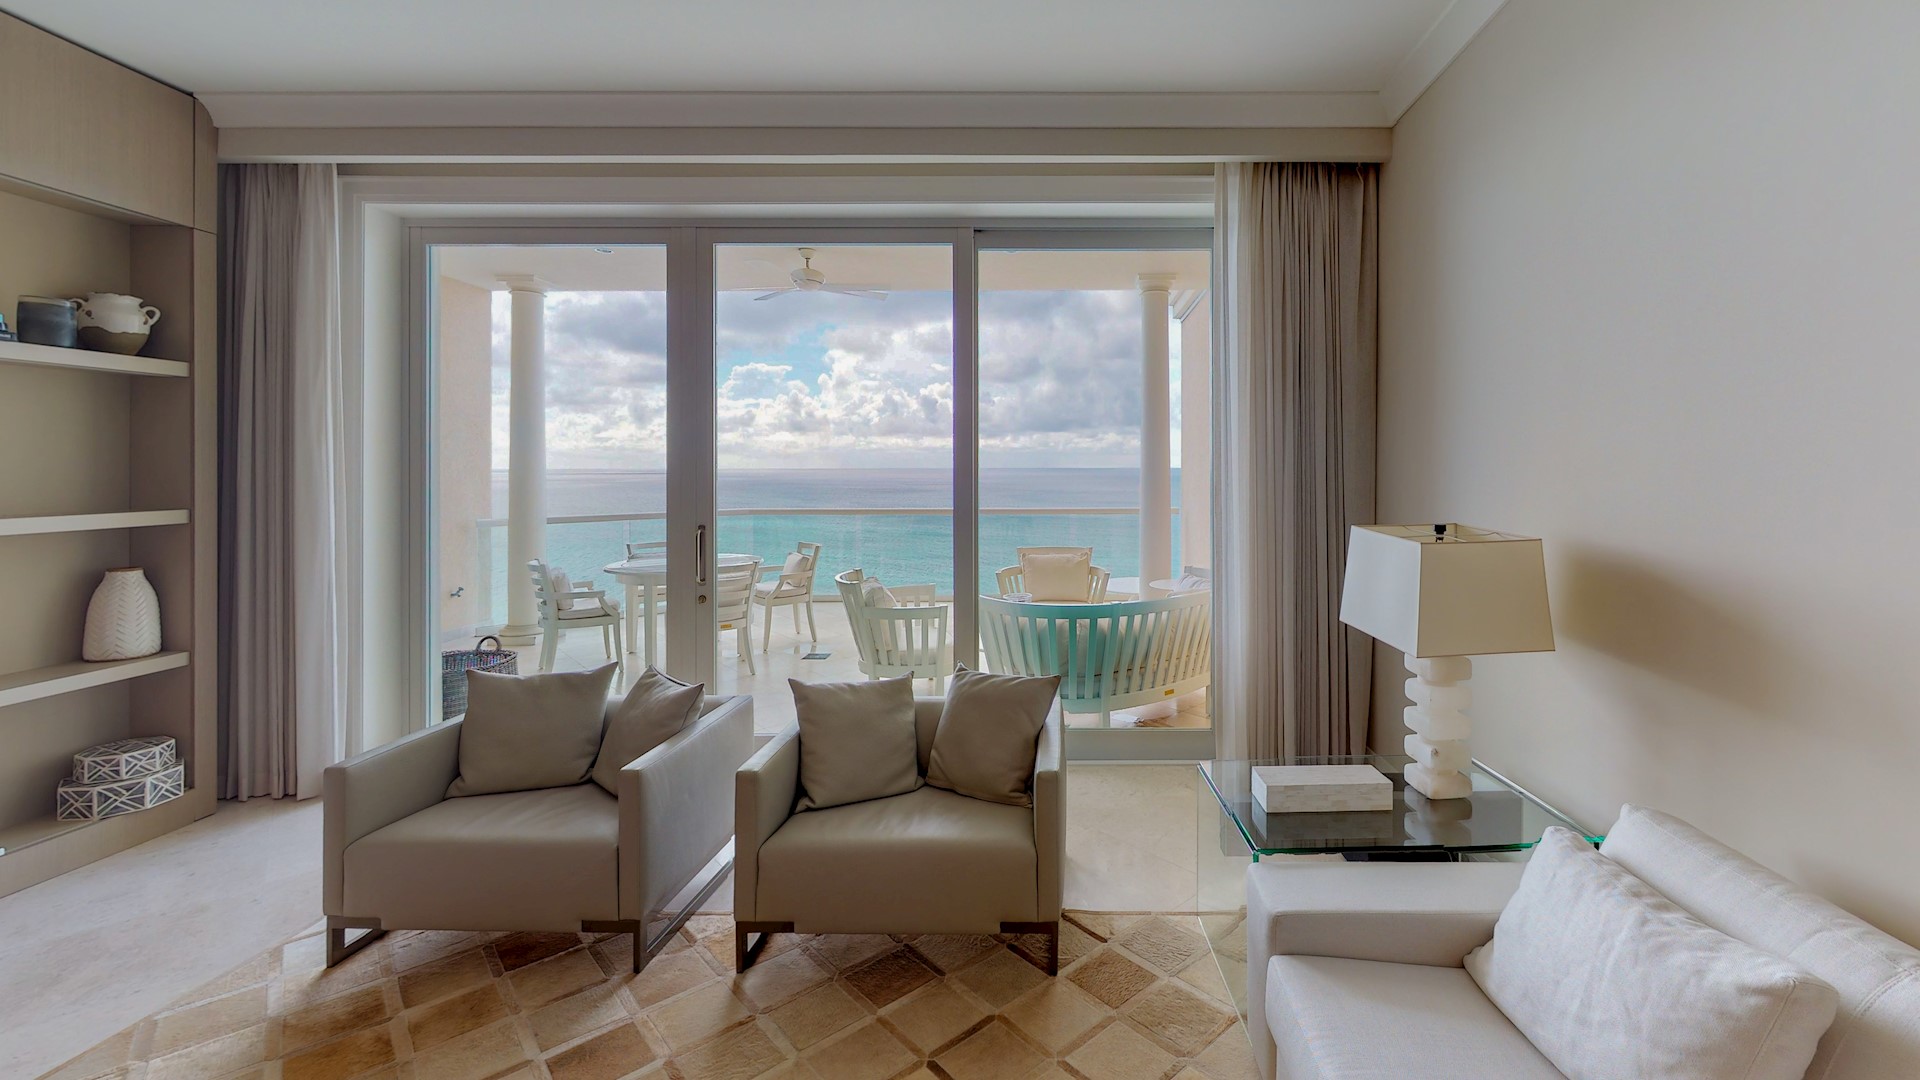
{"points": [[370, 791], [764, 790], [676, 809], [1050, 815]]}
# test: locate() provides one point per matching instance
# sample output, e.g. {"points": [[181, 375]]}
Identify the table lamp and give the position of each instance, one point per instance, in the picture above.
{"points": [[1442, 593]]}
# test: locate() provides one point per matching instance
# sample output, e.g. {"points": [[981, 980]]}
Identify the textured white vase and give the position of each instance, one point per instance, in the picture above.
{"points": [[123, 619]]}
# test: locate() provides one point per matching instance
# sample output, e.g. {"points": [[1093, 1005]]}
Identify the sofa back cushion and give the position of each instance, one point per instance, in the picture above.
{"points": [[857, 741], [988, 734], [1877, 1031], [1609, 979], [530, 731], [656, 707]]}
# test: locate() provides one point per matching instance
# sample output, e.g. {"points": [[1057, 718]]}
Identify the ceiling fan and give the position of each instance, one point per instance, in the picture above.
{"points": [[807, 279]]}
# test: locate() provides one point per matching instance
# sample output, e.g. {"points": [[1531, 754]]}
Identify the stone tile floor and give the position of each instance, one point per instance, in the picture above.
{"points": [[1139, 997]]}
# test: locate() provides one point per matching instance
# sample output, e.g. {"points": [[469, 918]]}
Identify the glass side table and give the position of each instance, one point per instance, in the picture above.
{"points": [[1500, 820]]}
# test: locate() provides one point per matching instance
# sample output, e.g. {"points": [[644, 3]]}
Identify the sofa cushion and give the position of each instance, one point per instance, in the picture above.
{"points": [[989, 730], [857, 741], [655, 709], [1609, 979], [522, 860], [1877, 1031], [530, 731], [1339, 1019], [928, 862], [1059, 576]]}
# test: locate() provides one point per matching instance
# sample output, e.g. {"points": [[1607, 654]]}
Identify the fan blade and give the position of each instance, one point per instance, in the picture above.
{"points": [[855, 290], [774, 293]]}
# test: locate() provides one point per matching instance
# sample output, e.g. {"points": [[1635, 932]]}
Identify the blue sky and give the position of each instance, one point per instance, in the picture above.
{"points": [[818, 380]]}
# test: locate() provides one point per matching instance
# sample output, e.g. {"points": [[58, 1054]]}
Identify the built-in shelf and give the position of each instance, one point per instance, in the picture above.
{"points": [[24, 686], [28, 833], [60, 523], [22, 352]]}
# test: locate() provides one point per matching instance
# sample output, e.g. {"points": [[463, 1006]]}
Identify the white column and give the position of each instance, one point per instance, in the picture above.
{"points": [[1196, 428], [1156, 435], [526, 454]]}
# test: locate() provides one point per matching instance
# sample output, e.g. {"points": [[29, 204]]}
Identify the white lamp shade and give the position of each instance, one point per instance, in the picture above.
{"points": [[1475, 593]]}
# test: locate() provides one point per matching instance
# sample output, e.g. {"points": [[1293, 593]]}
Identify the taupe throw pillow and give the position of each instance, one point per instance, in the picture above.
{"points": [[655, 710], [857, 741], [530, 731], [988, 734]]}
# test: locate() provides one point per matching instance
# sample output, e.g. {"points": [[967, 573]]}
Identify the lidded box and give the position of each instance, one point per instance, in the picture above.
{"points": [[87, 802], [124, 759]]}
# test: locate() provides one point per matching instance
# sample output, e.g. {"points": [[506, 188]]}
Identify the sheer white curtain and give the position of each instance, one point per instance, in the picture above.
{"points": [[283, 482], [1293, 412]]}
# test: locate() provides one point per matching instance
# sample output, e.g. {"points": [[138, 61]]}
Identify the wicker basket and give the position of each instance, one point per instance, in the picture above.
{"points": [[455, 665]]}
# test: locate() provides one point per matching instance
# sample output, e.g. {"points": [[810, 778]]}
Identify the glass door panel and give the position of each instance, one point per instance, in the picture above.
{"points": [[548, 420], [833, 377]]}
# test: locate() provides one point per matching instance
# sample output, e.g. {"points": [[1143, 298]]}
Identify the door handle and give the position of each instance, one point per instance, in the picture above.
{"points": [[700, 555]]}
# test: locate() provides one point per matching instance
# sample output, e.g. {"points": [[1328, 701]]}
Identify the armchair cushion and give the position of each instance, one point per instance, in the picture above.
{"points": [[655, 709], [1343, 1019], [984, 746], [562, 586], [1610, 978], [533, 860], [929, 860], [1062, 575], [530, 731], [857, 741]]}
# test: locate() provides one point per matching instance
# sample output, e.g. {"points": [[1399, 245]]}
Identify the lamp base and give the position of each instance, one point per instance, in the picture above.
{"points": [[1438, 726]]}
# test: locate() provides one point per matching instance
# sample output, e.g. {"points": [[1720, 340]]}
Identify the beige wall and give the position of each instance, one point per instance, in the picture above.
{"points": [[1650, 289], [464, 439]]}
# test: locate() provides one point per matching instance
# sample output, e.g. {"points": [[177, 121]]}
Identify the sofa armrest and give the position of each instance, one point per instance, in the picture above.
{"points": [[371, 791], [676, 805], [1431, 914], [1050, 815], [764, 791]]}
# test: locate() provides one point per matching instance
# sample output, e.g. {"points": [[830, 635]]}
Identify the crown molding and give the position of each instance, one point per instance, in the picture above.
{"points": [[804, 110], [1449, 36]]}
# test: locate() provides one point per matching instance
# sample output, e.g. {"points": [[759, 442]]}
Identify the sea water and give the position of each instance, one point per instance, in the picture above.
{"points": [[898, 548]]}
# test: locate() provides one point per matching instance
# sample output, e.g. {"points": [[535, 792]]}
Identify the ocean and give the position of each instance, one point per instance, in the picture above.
{"points": [[899, 548]]}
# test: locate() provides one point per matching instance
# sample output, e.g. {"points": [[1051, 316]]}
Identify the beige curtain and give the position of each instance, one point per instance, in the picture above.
{"points": [[283, 546], [1296, 258]]}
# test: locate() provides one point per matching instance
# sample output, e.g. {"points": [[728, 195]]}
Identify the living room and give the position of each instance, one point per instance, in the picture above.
{"points": [[1484, 400]]}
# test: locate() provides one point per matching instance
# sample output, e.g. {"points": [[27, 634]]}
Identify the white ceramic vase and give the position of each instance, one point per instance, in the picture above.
{"points": [[123, 619]]}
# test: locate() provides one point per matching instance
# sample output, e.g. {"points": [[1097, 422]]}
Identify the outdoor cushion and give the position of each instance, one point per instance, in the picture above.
{"points": [[873, 594], [532, 860], [984, 746], [1063, 576], [1608, 978], [1341, 1019], [857, 741], [530, 731], [654, 710], [932, 860], [561, 585], [590, 609]]}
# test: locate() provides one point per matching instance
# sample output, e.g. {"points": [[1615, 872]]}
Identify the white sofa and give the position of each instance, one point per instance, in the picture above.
{"points": [[1355, 969]]}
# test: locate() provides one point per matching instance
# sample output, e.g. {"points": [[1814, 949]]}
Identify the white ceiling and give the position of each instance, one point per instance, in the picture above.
{"points": [[1332, 48]]}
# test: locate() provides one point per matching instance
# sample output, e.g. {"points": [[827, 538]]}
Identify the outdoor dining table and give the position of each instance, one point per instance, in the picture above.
{"points": [[645, 577]]}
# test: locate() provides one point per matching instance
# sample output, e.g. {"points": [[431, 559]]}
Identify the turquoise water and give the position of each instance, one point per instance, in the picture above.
{"points": [[900, 549]]}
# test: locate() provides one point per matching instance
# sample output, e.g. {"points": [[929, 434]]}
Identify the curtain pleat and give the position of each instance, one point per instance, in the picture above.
{"points": [[281, 475], [1293, 445]]}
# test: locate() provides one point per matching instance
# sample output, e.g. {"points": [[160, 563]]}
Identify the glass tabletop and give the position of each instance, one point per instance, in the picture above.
{"points": [[1498, 816]]}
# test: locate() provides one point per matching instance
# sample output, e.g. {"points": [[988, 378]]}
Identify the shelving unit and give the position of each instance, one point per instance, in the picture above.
{"points": [[112, 457], [25, 352]]}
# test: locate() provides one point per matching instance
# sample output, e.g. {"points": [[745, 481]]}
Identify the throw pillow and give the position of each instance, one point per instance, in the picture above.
{"points": [[654, 710], [876, 595], [530, 731], [561, 585], [1066, 575], [857, 741], [1608, 978], [988, 733]]}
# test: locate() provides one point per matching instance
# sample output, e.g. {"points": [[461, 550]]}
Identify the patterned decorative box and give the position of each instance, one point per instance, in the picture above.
{"points": [[124, 759], [85, 802]]}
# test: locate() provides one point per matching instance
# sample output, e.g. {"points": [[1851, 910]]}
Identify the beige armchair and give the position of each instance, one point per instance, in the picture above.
{"points": [[927, 862], [401, 855]]}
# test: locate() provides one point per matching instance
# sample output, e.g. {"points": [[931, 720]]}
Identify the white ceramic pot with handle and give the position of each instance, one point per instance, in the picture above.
{"points": [[114, 322]]}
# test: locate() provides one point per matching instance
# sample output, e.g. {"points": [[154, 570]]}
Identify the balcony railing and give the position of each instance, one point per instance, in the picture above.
{"points": [[900, 545]]}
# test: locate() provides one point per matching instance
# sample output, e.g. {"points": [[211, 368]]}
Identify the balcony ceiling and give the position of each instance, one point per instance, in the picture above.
{"points": [[896, 267], [762, 47]]}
